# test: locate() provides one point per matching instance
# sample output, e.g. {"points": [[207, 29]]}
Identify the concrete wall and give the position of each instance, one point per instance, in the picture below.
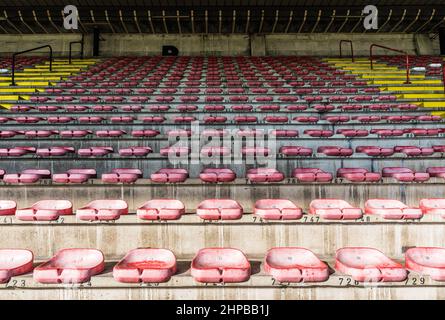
{"points": [[219, 45]]}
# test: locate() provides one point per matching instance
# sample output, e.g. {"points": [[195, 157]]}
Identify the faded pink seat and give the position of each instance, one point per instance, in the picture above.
{"points": [[54, 151], [358, 175], [215, 175], [245, 119], [220, 265], [210, 151], [74, 176], [277, 209], [249, 132], [374, 151], [433, 206], [179, 133], [103, 210], [353, 133], [294, 264], [368, 265], [7, 207], [10, 133], [70, 266], [45, 210], [145, 133], [14, 262], [29, 119], [391, 209], [426, 261], [255, 151], [306, 119], [319, 133], [219, 209], [91, 119], [75, 133], [333, 151], [334, 209], [40, 133], [110, 133], [264, 175], [285, 133], [412, 151], [16, 151], [27, 176], [122, 119], [405, 174], [161, 209], [153, 119], [336, 119], [122, 175], [311, 175], [60, 119], [135, 151], [296, 151], [95, 151], [147, 265], [169, 175], [438, 172]]}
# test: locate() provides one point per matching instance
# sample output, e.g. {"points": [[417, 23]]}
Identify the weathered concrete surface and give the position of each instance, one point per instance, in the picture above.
{"points": [[220, 45]]}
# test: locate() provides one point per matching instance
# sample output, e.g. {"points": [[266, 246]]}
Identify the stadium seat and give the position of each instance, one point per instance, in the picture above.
{"points": [[16, 151], [264, 175], [27, 176], [95, 151], [405, 174], [135, 151], [277, 209], [45, 210], [74, 176], [311, 175], [220, 265], [122, 175], [219, 209], [412, 151], [293, 264], [102, 210], [391, 209], [333, 151], [70, 266], [7, 207], [214, 175], [368, 265], [319, 133], [14, 262], [374, 151], [146, 265], [295, 151], [426, 261], [54, 151], [161, 209], [358, 175], [167, 175], [334, 209], [433, 206]]}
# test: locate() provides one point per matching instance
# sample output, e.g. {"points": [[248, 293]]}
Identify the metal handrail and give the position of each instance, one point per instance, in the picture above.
{"points": [[352, 48], [81, 42], [26, 51], [371, 58]]}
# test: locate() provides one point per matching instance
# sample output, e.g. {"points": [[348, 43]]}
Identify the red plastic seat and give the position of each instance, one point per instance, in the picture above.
{"points": [[54, 151], [102, 210], [219, 209], [148, 133], [122, 175], [311, 175], [60, 119], [110, 133], [255, 151], [40, 133], [161, 209], [296, 151], [368, 265], [95, 151], [374, 151], [45, 210], [358, 175], [391, 209], [412, 151], [334, 209], [7, 207], [438, 172], [70, 266], [306, 119], [405, 174], [293, 264], [14, 262], [16, 151], [147, 265], [264, 175], [220, 265], [336, 119], [426, 261], [277, 209], [319, 133], [349, 133], [91, 119], [27, 176], [74, 176], [284, 133], [433, 206], [333, 151], [215, 175], [367, 119], [167, 175], [135, 151], [75, 133]]}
